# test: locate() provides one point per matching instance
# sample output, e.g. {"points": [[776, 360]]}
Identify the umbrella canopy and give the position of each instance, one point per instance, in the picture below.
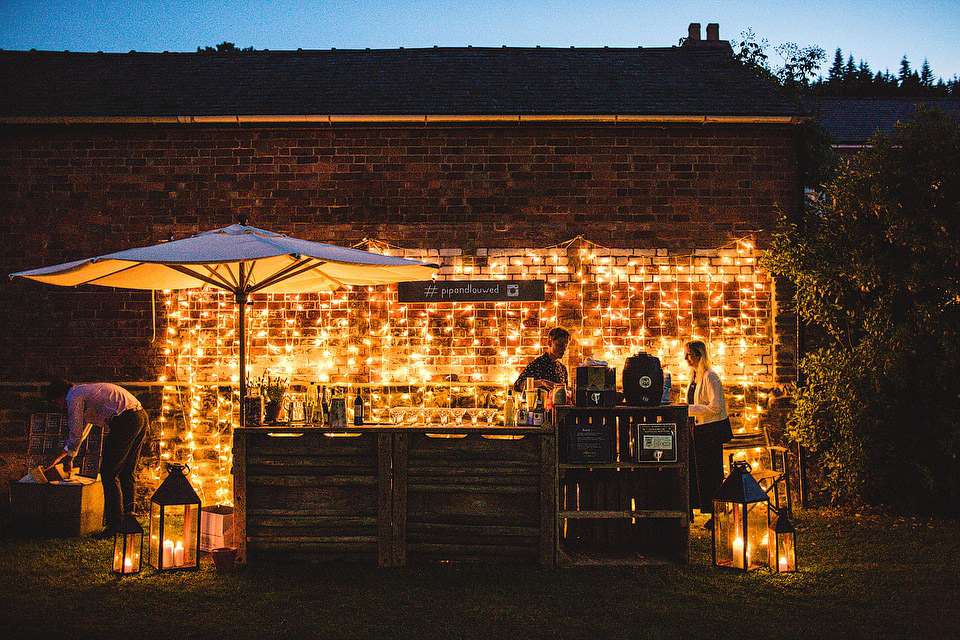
{"points": [[237, 258], [240, 259]]}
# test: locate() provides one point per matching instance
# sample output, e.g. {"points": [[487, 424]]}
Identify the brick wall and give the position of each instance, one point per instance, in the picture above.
{"points": [[71, 192]]}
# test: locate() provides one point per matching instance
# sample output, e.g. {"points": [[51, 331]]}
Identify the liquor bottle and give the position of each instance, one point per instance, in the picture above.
{"points": [[309, 406], [538, 413], [358, 410], [324, 405], [509, 410], [338, 408]]}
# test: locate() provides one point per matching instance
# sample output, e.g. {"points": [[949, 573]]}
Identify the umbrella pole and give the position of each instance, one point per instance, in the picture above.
{"points": [[241, 320]]}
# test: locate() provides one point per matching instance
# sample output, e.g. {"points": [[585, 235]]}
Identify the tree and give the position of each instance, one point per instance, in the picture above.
{"points": [[876, 265], [223, 47], [835, 76], [926, 75]]}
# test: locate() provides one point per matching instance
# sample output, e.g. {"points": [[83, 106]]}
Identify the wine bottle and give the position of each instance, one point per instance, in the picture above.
{"points": [[358, 410], [509, 410], [324, 405]]}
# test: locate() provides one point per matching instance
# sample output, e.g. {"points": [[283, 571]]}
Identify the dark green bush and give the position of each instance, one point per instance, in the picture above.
{"points": [[876, 264]]}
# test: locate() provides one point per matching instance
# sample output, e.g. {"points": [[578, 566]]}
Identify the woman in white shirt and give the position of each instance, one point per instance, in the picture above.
{"points": [[708, 409]]}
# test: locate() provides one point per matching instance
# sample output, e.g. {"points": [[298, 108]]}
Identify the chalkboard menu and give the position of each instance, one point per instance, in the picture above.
{"points": [[48, 434]]}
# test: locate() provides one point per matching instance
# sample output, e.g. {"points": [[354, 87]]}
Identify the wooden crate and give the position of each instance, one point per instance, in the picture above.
{"points": [[56, 510], [310, 494], [626, 511], [395, 494], [471, 498]]}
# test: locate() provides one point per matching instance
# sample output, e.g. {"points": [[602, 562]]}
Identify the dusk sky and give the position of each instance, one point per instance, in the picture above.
{"points": [[880, 32]]}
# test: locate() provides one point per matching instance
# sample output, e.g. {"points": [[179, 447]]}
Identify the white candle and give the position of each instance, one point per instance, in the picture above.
{"points": [[738, 552], [783, 563], [178, 554], [167, 553], [128, 564]]}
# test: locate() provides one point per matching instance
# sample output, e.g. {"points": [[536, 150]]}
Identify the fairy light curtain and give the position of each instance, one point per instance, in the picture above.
{"points": [[615, 302]]}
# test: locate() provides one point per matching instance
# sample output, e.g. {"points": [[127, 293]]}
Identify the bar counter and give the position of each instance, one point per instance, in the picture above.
{"points": [[413, 493], [394, 494]]}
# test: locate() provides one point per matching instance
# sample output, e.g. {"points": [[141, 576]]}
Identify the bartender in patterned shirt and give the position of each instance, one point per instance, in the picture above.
{"points": [[547, 370]]}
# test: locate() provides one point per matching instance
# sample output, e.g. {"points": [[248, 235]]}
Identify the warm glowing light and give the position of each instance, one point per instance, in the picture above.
{"points": [[615, 302]]}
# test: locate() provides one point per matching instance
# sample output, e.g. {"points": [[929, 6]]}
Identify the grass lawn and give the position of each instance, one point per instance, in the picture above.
{"points": [[861, 577]]}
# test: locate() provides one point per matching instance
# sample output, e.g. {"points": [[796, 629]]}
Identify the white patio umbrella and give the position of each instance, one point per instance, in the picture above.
{"points": [[240, 259]]}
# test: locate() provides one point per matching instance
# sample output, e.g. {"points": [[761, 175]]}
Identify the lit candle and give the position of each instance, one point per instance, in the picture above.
{"points": [[128, 564], [178, 554], [738, 552], [167, 553], [783, 563]]}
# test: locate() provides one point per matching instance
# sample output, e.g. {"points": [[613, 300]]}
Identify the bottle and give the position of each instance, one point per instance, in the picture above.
{"points": [[338, 408], [538, 414], [324, 405], [358, 410], [309, 408], [509, 410]]}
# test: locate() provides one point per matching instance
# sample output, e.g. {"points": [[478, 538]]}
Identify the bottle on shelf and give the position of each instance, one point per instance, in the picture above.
{"points": [[324, 406], [358, 410], [338, 408], [539, 414], [309, 403], [509, 410]]}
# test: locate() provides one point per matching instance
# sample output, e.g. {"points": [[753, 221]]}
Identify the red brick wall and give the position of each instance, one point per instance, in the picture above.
{"points": [[70, 192]]}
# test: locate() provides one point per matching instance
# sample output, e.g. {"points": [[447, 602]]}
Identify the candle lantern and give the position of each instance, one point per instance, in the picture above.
{"points": [[740, 517], [127, 547], [783, 543], [175, 522]]}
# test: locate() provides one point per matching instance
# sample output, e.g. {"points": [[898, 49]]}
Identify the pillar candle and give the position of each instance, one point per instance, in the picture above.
{"points": [[178, 554], [167, 553]]}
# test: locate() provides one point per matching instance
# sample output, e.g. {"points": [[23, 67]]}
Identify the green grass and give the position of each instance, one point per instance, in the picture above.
{"points": [[861, 577]]}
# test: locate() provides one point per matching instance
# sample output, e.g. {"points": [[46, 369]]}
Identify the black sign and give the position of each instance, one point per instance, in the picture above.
{"points": [[471, 291]]}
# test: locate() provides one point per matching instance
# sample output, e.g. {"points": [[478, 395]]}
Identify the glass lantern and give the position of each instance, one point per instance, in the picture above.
{"points": [[740, 517], [175, 523], [127, 547], [783, 544]]}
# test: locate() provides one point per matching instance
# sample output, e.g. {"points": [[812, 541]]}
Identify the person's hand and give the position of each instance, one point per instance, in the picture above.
{"points": [[55, 461], [68, 466], [546, 384]]}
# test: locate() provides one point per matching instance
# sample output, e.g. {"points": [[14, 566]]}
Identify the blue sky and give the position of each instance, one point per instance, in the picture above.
{"points": [[878, 31]]}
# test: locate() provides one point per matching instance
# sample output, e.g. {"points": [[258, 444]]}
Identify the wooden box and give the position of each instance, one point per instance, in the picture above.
{"points": [[632, 507], [56, 510], [307, 493], [473, 497]]}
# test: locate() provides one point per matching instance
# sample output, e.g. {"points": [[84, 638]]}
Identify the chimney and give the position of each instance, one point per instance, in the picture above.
{"points": [[713, 40]]}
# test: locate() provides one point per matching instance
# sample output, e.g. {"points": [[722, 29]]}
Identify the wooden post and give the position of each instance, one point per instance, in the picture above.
{"points": [[240, 494]]}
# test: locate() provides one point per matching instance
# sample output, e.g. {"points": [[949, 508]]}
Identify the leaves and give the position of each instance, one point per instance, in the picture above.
{"points": [[876, 265]]}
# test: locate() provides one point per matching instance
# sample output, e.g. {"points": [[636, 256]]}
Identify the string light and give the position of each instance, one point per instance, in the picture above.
{"points": [[615, 302]]}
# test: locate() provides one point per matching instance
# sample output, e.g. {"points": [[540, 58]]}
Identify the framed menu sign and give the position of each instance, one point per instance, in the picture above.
{"points": [[471, 291]]}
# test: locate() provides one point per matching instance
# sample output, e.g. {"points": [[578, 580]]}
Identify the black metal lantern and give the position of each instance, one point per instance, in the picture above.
{"points": [[783, 543], [175, 523], [127, 547], [740, 518]]}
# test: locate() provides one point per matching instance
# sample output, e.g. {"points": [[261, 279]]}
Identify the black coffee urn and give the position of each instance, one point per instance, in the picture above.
{"points": [[642, 380]]}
